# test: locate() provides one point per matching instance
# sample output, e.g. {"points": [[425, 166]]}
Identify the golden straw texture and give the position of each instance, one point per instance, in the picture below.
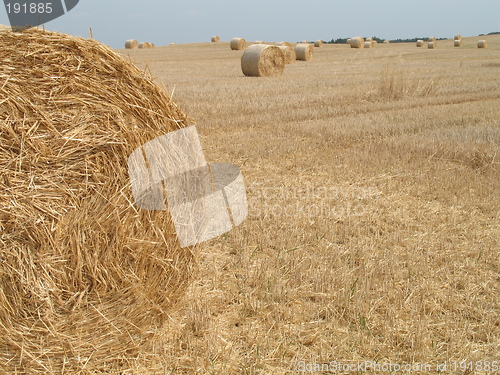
{"points": [[262, 60], [85, 275]]}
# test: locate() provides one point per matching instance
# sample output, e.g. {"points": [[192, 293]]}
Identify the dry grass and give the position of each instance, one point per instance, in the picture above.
{"points": [[374, 209]]}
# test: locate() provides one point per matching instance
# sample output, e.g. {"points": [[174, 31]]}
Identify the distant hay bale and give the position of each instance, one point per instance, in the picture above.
{"points": [[305, 41], [131, 44], [258, 42], [458, 37], [173, 44], [368, 44], [420, 43], [432, 39], [357, 42], [145, 45], [482, 44], [289, 54], [304, 51], [457, 43], [85, 275], [215, 39], [283, 44], [152, 45], [387, 41], [318, 43], [348, 41], [262, 60], [431, 45], [237, 44]]}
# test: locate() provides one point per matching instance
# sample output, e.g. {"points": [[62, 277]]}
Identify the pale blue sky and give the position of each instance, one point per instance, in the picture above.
{"points": [[163, 22]]}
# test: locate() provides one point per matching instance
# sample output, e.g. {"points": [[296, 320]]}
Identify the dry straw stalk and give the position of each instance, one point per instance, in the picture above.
{"points": [[131, 44], [237, 44], [304, 52], [263, 60], [84, 274]]}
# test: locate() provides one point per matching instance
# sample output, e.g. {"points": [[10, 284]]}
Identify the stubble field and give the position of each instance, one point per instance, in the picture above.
{"points": [[373, 182]]}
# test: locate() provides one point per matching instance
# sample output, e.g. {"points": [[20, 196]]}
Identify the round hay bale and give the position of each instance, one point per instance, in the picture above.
{"points": [[432, 39], [173, 44], [237, 44], [85, 275], [215, 39], [145, 45], [357, 42], [318, 43], [368, 44], [387, 41], [304, 52], [458, 37], [420, 43], [305, 41], [283, 44], [258, 42], [263, 60], [457, 43], [482, 44], [348, 41], [431, 45], [131, 44], [289, 54]]}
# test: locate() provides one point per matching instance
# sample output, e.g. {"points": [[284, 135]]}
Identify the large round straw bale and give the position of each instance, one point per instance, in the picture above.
{"points": [[283, 44], [458, 37], [368, 44], [304, 51], [482, 44], [131, 44], [289, 54], [357, 42], [457, 43], [431, 45], [318, 43], [348, 41], [85, 275], [237, 43], [420, 43], [432, 39], [258, 42], [215, 39], [263, 60]]}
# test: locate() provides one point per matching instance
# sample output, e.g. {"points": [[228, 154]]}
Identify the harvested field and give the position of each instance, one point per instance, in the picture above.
{"points": [[374, 208]]}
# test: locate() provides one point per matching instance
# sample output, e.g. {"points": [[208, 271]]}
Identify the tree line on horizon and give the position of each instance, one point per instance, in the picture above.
{"points": [[399, 40]]}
